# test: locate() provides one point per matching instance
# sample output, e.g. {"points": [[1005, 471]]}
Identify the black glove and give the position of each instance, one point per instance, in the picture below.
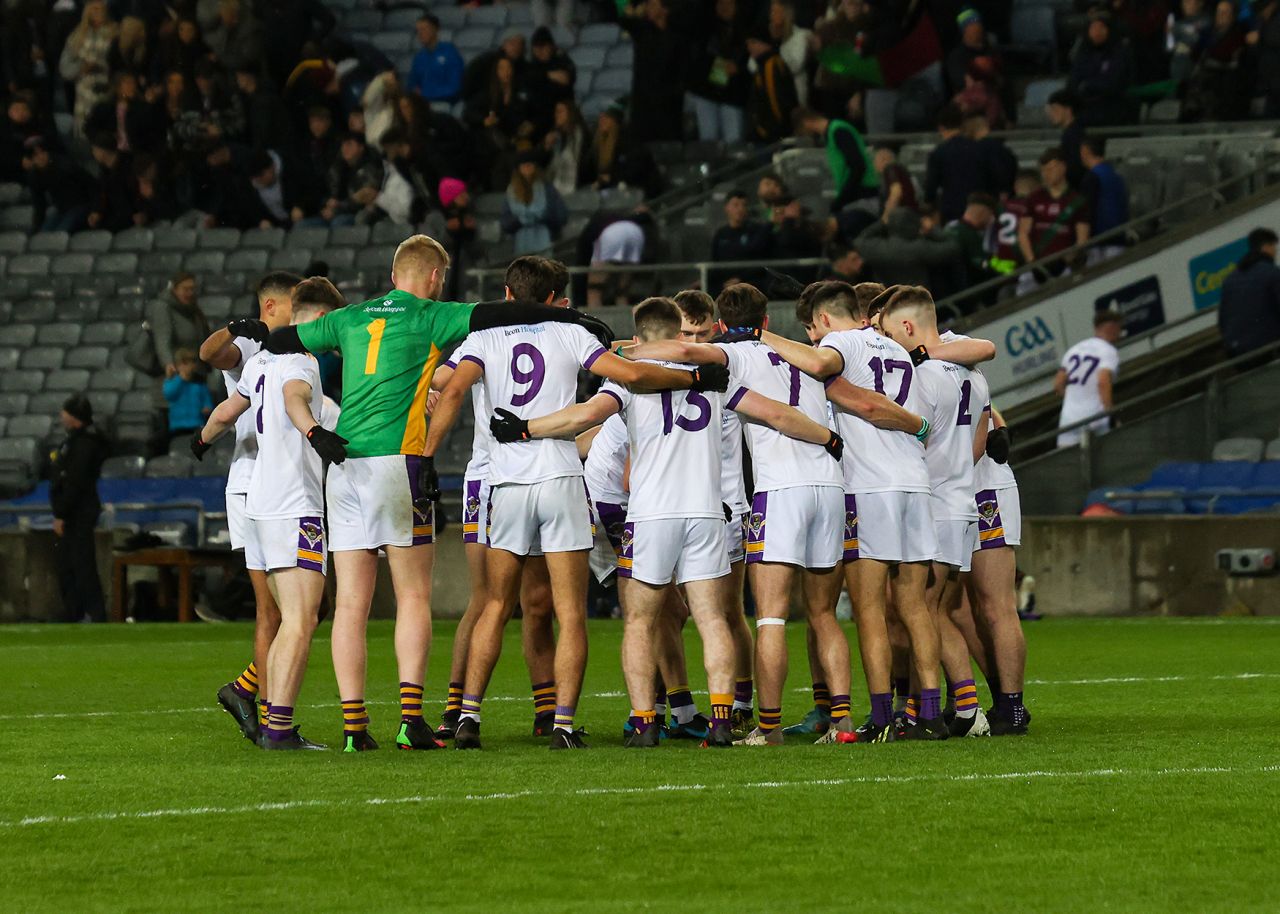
{"points": [[428, 485], [919, 354], [710, 377], [834, 446], [331, 446], [507, 427], [739, 335], [728, 513], [999, 441], [596, 327], [250, 328], [198, 446]]}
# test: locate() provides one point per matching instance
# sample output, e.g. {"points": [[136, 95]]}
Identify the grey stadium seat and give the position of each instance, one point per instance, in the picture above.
{"points": [[611, 82], [294, 260], [1249, 449], [20, 335], [216, 306], [349, 236], [271, 239], [311, 237], [218, 239], [589, 58], [116, 262], [115, 379], [8, 357], [72, 380], [103, 333], [48, 242], [13, 404], [1273, 450], [204, 261], [17, 218], [91, 357], [47, 358], [13, 242], [47, 403], [372, 259], [127, 467], [387, 232], [138, 239], [247, 261], [58, 335], [31, 426], [105, 403], [28, 265], [491, 16], [169, 466], [163, 262], [126, 310], [600, 33], [22, 380], [4, 423], [75, 264], [340, 258], [22, 451], [94, 242], [175, 239]]}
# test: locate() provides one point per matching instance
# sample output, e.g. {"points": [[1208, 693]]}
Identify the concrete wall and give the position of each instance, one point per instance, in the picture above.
{"points": [[1146, 565]]}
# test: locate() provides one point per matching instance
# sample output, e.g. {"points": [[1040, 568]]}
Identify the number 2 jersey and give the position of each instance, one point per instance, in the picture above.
{"points": [[531, 370], [953, 398], [875, 459], [390, 348], [675, 450], [780, 462], [288, 475]]}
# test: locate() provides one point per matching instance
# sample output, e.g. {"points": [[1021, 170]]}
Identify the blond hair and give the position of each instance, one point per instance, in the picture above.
{"points": [[418, 255]]}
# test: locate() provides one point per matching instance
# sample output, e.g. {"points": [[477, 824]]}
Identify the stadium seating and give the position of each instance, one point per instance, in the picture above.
{"points": [[1237, 480]]}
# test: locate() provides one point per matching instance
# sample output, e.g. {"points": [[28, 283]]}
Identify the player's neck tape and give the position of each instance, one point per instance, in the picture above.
{"points": [[761, 623]]}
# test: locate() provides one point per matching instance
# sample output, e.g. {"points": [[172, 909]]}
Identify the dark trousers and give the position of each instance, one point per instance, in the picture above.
{"points": [[77, 565]]}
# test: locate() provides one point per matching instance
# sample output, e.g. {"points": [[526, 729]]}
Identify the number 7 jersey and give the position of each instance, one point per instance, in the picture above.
{"points": [[875, 459]]}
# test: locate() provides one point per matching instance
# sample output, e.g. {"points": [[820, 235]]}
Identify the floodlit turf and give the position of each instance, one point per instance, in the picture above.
{"points": [[1150, 782]]}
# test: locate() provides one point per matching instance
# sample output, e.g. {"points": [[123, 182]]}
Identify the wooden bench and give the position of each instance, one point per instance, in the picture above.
{"points": [[168, 559]]}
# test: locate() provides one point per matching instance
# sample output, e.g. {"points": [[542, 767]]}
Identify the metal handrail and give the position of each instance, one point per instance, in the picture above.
{"points": [[111, 508]]}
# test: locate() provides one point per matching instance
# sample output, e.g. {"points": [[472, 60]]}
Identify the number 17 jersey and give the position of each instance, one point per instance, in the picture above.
{"points": [[878, 460]]}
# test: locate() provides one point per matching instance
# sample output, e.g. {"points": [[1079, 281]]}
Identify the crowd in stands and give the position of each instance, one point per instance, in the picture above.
{"points": [[261, 113]]}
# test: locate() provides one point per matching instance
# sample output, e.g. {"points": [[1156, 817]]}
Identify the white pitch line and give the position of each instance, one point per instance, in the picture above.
{"points": [[1036, 774]]}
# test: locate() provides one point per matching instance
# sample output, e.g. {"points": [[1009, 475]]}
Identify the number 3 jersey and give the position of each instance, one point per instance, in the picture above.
{"points": [[780, 462], [878, 460], [288, 476], [675, 450], [953, 398], [531, 370]]}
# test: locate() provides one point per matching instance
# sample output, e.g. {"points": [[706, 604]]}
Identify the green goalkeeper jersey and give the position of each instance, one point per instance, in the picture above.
{"points": [[390, 347]]}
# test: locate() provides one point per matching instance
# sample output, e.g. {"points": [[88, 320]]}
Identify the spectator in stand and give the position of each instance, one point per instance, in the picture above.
{"points": [[219, 113], [973, 47], [614, 158], [436, 71], [20, 125], [267, 120], [84, 59], [771, 191], [1218, 89], [61, 191], [127, 116], [980, 95], [130, 52], [794, 44], [550, 78], [190, 401], [226, 194], [499, 119], [236, 40], [739, 239], [281, 200], [1057, 219], [614, 239], [176, 321], [1264, 41], [566, 144], [658, 73], [405, 195], [73, 499], [1187, 36], [1007, 255], [954, 167], [852, 171], [847, 264], [1061, 110], [896, 187], [795, 236], [533, 212], [846, 26], [116, 205], [479, 72], [314, 159], [1107, 197], [999, 164], [904, 251], [460, 224], [1249, 315], [380, 107], [1101, 74], [180, 50], [158, 192], [970, 233], [441, 147], [720, 84], [1141, 24], [354, 180], [772, 100], [291, 25]]}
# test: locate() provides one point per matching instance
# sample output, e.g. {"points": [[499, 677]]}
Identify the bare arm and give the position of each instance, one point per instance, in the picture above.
{"points": [[449, 404], [872, 407], [1105, 388], [815, 361], [980, 437], [1024, 239], [641, 374], [997, 418], [218, 351], [891, 201], [297, 405], [968, 352], [572, 420], [440, 379], [584, 442], [1060, 383], [224, 417], [676, 351], [1083, 230], [781, 417]]}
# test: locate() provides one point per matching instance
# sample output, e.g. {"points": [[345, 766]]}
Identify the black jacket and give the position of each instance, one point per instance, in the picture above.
{"points": [[1249, 315], [73, 487], [954, 171], [64, 185]]}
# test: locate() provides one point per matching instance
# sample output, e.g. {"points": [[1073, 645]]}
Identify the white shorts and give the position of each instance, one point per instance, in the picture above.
{"points": [[276, 544], [735, 537], [475, 511], [957, 539], [896, 527], [540, 517], [237, 521], [999, 518], [370, 504], [679, 549], [608, 522], [803, 526]]}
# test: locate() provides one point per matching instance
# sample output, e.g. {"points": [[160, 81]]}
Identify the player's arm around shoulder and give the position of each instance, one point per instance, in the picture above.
{"points": [[966, 351], [779, 416], [469, 371], [875, 408], [219, 350], [565, 423], [819, 362], [223, 417], [676, 351]]}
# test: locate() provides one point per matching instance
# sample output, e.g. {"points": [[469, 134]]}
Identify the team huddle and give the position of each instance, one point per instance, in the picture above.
{"points": [[874, 458]]}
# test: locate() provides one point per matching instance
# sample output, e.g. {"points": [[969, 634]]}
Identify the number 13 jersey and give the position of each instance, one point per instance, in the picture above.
{"points": [[878, 460], [531, 370]]}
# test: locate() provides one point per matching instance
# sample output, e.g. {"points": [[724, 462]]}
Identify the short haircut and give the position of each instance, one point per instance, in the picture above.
{"points": [[278, 282], [979, 198], [419, 254], [657, 319], [742, 305], [530, 279], [1260, 237], [1107, 316], [833, 296], [775, 178], [867, 293], [430, 17], [950, 117], [316, 293], [559, 277], [1095, 144], [696, 305], [910, 298], [1064, 98], [1053, 154], [737, 193]]}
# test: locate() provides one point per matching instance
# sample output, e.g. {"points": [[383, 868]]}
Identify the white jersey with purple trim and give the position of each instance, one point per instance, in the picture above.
{"points": [[990, 475], [482, 438], [606, 463], [878, 460], [779, 462], [288, 476], [733, 488], [531, 370], [246, 446], [675, 450], [952, 398], [1083, 363]]}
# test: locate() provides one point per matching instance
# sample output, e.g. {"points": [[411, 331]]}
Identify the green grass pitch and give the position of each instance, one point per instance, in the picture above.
{"points": [[1150, 782]]}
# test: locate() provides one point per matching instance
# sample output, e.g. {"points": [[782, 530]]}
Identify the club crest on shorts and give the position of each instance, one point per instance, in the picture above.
{"points": [[311, 534], [850, 523], [625, 535], [987, 510], [756, 523], [473, 507]]}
